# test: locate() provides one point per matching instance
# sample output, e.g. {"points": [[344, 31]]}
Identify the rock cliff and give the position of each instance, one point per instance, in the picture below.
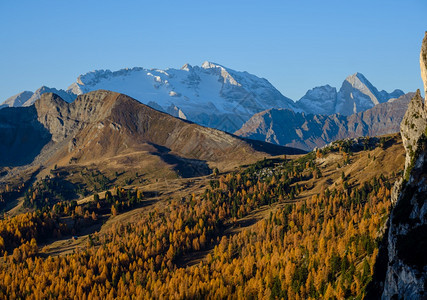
{"points": [[423, 62], [413, 126], [405, 275]]}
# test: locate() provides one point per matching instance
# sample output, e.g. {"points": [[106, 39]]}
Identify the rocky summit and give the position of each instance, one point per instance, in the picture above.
{"points": [[356, 94]]}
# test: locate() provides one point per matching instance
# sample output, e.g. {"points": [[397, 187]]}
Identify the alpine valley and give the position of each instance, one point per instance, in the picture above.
{"points": [[208, 183]]}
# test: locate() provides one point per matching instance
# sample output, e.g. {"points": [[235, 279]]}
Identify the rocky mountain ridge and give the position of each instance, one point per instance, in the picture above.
{"points": [[307, 131], [356, 94], [100, 126], [28, 98], [17, 100], [216, 96], [210, 95]]}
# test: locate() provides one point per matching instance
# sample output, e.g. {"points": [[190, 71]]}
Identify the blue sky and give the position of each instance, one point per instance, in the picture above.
{"points": [[296, 45]]}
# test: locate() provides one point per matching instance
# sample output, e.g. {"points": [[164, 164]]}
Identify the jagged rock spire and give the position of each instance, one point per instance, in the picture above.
{"points": [[423, 63]]}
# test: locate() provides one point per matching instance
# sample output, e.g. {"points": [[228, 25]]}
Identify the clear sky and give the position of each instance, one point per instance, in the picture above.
{"points": [[296, 45]]}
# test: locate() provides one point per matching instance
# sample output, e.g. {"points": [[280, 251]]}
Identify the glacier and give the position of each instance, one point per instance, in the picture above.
{"points": [[211, 95]]}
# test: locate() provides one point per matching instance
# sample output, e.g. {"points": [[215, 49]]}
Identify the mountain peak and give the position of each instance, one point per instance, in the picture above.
{"points": [[355, 95], [102, 124], [356, 78], [92, 76], [211, 65], [306, 131], [358, 94], [17, 100], [187, 67], [319, 100], [205, 94], [359, 75]]}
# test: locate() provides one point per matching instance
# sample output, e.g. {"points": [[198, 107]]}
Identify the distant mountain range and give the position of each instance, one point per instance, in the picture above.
{"points": [[356, 94], [306, 131], [28, 98], [210, 95], [216, 96]]}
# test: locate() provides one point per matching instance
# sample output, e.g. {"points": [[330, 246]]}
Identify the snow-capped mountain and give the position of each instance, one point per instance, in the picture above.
{"points": [[215, 96], [356, 94], [66, 95], [28, 98], [320, 100], [211, 95], [17, 100]]}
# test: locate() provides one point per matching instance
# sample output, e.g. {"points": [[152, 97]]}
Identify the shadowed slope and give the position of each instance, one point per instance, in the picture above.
{"points": [[22, 136], [103, 128]]}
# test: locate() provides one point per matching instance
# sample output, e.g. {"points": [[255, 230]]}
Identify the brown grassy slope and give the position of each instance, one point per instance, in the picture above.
{"points": [[102, 125], [363, 166], [115, 134]]}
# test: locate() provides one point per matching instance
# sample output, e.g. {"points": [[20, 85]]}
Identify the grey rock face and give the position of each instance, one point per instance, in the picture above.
{"points": [[407, 238], [27, 98], [423, 62], [356, 94], [65, 95], [306, 131], [17, 100], [406, 274], [413, 126], [320, 100]]}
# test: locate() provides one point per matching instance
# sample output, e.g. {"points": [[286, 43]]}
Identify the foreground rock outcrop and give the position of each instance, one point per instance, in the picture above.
{"points": [[423, 63], [413, 127], [406, 275], [404, 266]]}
